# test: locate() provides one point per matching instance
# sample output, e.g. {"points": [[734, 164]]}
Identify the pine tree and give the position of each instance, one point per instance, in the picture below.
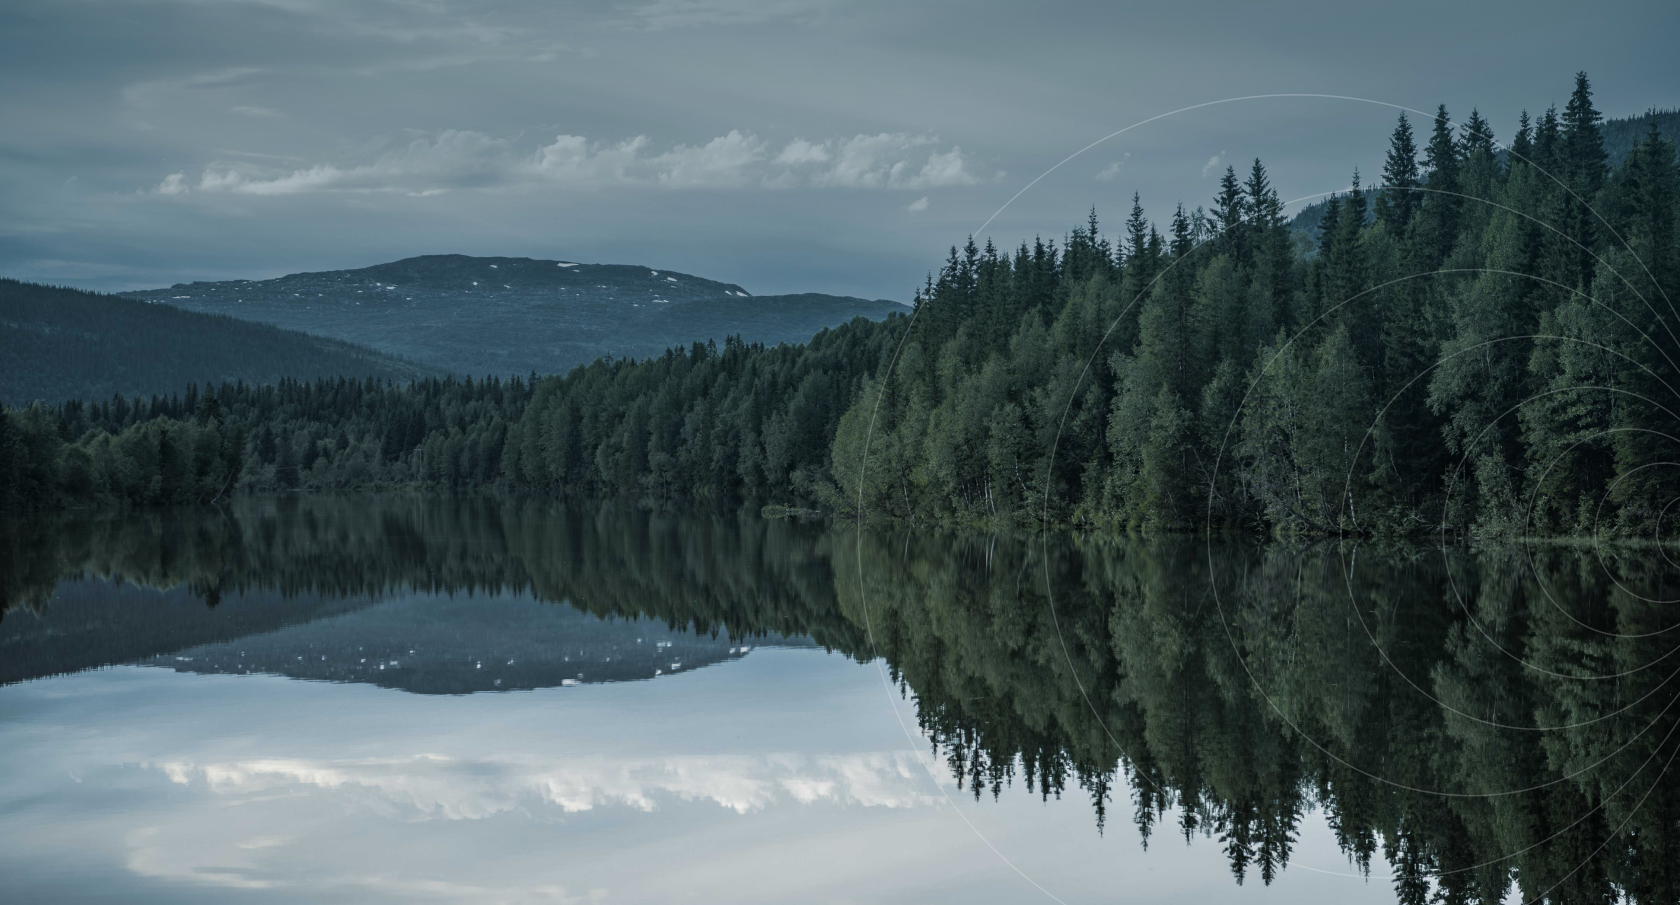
{"points": [[1583, 143], [1230, 213], [1438, 217], [1649, 185], [1137, 239], [1481, 165], [1583, 169], [1398, 198]]}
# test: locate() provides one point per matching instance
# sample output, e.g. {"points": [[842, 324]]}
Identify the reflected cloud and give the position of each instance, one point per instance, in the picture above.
{"points": [[438, 787]]}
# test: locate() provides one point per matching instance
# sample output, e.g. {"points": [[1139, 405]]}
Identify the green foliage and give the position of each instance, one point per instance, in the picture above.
{"points": [[326, 435]]}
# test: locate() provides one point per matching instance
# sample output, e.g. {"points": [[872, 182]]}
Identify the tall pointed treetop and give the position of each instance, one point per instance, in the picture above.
{"points": [[1583, 143], [1398, 200]]}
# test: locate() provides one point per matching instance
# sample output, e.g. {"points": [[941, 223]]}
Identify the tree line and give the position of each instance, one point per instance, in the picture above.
{"points": [[204, 445], [1483, 342]]}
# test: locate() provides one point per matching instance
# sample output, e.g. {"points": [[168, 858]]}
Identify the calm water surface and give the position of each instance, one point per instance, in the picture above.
{"points": [[416, 699]]}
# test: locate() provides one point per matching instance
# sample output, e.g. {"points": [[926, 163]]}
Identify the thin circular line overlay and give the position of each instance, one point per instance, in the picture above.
{"points": [[891, 369]]}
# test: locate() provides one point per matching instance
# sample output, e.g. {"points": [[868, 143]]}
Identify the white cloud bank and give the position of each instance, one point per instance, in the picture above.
{"points": [[431, 786], [462, 160]]}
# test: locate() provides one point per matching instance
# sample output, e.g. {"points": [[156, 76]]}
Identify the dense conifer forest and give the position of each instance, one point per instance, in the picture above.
{"points": [[1486, 342]]}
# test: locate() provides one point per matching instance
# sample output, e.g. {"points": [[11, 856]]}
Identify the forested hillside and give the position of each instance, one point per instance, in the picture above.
{"points": [[1490, 350], [63, 344], [1620, 138], [477, 316], [1485, 343]]}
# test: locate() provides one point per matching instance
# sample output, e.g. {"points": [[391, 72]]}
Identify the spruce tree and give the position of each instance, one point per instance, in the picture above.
{"points": [[1437, 225], [1481, 165], [1583, 168], [1230, 210], [1137, 236], [1398, 198], [1583, 144]]}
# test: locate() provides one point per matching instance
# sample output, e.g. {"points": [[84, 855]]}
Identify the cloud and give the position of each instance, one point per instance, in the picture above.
{"points": [[438, 787], [799, 151], [917, 206], [879, 161], [940, 170], [660, 14], [572, 161], [462, 159], [259, 112], [173, 184], [723, 161], [1212, 162], [1109, 172]]}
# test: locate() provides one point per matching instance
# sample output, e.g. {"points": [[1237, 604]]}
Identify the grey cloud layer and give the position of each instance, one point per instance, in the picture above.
{"points": [[462, 159], [788, 145]]}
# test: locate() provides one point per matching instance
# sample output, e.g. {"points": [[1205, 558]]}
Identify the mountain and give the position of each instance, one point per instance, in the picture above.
{"points": [[461, 645], [417, 642], [480, 316], [1620, 135], [1308, 220], [91, 622], [67, 344]]}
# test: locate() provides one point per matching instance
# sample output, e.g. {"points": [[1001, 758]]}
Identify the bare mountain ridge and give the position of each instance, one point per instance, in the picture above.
{"points": [[496, 315]]}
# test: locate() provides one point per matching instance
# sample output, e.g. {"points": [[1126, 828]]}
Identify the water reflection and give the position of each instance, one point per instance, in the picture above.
{"points": [[1460, 720]]}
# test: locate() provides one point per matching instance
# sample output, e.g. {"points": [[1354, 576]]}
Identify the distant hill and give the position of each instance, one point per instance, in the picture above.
{"points": [[68, 344], [1620, 135], [461, 645], [480, 316], [90, 622], [1312, 215], [413, 641]]}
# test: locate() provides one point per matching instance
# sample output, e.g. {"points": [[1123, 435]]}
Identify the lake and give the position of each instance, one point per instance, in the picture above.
{"points": [[416, 698]]}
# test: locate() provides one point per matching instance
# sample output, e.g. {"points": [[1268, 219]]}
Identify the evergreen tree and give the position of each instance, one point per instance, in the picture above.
{"points": [[1230, 215], [1582, 160], [1398, 198], [1437, 224]]}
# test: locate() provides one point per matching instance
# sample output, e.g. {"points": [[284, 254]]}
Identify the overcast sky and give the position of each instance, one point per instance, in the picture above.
{"points": [[786, 145]]}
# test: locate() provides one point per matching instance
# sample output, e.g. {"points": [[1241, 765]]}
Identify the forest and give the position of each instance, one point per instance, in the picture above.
{"points": [[1483, 344]]}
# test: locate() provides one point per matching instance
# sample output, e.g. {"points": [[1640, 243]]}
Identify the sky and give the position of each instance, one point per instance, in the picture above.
{"points": [[784, 145]]}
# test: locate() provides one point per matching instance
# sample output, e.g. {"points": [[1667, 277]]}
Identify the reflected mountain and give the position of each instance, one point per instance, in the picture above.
{"points": [[86, 623], [435, 596], [1483, 718], [458, 645]]}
